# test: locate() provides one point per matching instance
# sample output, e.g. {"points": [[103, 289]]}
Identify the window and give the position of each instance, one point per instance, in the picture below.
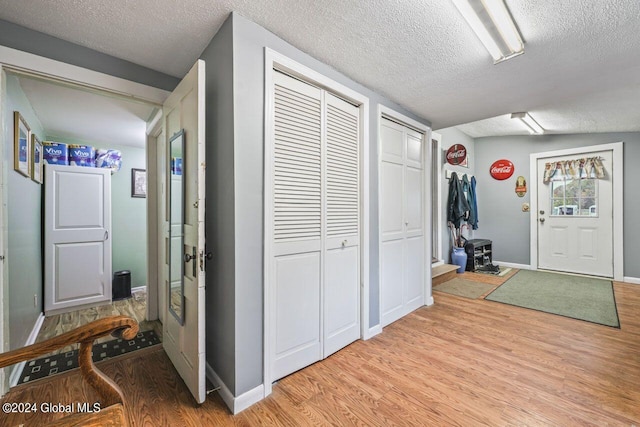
{"points": [[574, 197]]}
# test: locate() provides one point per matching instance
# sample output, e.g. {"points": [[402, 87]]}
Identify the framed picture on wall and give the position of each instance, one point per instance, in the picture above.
{"points": [[138, 183], [21, 143], [37, 164]]}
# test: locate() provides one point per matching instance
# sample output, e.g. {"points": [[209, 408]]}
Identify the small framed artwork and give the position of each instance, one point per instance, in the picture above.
{"points": [[36, 159], [21, 149], [138, 183]]}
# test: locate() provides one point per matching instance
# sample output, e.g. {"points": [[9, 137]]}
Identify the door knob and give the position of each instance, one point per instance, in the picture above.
{"points": [[541, 212], [542, 220], [188, 257], [209, 256]]}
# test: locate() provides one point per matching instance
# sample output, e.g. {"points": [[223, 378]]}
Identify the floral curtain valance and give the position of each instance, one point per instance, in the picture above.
{"points": [[588, 167]]}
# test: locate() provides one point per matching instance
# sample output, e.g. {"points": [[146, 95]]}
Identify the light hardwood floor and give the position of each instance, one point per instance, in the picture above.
{"points": [[459, 362]]}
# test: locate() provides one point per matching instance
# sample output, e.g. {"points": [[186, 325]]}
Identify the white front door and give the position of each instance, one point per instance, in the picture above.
{"points": [[401, 221], [184, 341], [575, 217], [77, 237]]}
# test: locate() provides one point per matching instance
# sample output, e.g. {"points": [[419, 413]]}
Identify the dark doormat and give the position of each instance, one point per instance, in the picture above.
{"points": [[58, 363]]}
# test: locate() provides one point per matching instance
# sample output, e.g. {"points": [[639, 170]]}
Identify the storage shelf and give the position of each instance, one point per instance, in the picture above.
{"points": [[479, 253]]}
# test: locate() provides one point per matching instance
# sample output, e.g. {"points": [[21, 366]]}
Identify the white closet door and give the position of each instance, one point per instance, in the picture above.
{"points": [[77, 237], [297, 224], [342, 240], [401, 221]]}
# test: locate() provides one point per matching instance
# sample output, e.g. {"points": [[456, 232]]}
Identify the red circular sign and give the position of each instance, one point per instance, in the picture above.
{"points": [[456, 154], [501, 169]]}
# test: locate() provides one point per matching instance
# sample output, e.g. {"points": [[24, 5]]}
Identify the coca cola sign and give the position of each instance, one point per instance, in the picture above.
{"points": [[457, 155], [501, 169]]}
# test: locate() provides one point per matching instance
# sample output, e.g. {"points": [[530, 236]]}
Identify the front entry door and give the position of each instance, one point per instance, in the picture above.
{"points": [[575, 216], [184, 341]]}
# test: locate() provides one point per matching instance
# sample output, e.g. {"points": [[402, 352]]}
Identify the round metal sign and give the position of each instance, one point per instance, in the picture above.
{"points": [[456, 154], [501, 169]]}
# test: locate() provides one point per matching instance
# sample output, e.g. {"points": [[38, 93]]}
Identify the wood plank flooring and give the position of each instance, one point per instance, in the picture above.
{"points": [[459, 362]]}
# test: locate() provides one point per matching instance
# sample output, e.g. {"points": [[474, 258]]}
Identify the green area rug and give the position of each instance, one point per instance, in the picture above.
{"points": [[464, 288], [583, 298]]}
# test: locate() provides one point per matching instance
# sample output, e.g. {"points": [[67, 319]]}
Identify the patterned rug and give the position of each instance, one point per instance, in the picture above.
{"points": [[58, 363]]}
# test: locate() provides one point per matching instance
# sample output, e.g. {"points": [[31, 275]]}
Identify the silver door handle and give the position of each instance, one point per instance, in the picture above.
{"points": [[542, 220], [106, 235]]}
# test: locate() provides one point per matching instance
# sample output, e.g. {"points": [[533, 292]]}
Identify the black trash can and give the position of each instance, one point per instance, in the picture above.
{"points": [[121, 287]]}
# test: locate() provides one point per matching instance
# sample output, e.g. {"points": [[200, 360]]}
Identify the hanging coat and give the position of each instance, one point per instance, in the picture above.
{"points": [[457, 205], [467, 189], [475, 202]]}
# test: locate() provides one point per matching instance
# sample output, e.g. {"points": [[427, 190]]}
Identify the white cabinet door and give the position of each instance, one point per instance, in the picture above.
{"points": [[77, 237], [575, 220], [401, 221], [184, 343]]}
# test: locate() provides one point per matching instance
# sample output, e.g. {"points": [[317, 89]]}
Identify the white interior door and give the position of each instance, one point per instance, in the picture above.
{"points": [[77, 237], [184, 343], [575, 219], [401, 221]]}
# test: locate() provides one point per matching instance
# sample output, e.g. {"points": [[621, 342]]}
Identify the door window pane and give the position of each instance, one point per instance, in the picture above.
{"points": [[574, 197]]}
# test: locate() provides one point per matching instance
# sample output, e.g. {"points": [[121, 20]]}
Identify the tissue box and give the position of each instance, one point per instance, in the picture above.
{"points": [[55, 153], [111, 159]]}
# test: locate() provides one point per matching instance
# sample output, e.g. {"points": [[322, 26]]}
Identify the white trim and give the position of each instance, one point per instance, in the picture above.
{"points": [[513, 265], [17, 369], [29, 63], [437, 264], [617, 149], [427, 135], [142, 288], [372, 332], [632, 280], [273, 60], [235, 404], [437, 198]]}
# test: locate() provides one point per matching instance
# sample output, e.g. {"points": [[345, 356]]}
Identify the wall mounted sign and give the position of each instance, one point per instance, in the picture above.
{"points": [[501, 169], [457, 155], [521, 186]]}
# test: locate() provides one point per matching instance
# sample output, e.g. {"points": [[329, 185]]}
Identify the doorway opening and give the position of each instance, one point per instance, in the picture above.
{"points": [[73, 116]]}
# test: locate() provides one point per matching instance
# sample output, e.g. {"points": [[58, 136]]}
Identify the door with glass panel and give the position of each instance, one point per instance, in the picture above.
{"points": [[575, 213]]}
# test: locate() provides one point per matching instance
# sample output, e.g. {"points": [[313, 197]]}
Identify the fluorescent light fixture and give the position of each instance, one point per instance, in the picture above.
{"points": [[532, 126], [492, 23]]}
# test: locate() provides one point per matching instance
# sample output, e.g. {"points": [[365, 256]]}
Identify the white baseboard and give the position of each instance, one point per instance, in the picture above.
{"points": [[372, 332], [235, 404], [142, 288], [632, 280], [514, 265], [429, 301], [17, 369]]}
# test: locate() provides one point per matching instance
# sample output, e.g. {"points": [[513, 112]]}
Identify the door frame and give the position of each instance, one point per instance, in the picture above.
{"points": [[436, 194], [17, 61], [617, 149], [278, 61], [427, 185]]}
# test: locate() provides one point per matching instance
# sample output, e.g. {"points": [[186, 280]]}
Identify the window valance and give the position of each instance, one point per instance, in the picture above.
{"points": [[588, 167]]}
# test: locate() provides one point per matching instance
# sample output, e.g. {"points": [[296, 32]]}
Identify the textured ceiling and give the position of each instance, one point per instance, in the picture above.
{"points": [[99, 120], [579, 72]]}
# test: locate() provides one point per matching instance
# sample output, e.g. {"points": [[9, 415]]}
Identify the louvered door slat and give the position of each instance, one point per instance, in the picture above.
{"points": [[342, 168], [297, 191]]}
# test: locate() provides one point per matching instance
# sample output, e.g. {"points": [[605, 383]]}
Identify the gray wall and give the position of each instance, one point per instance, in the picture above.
{"points": [[220, 208], [24, 199], [249, 41], [452, 136], [129, 218], [24, 39], [500, 209]]}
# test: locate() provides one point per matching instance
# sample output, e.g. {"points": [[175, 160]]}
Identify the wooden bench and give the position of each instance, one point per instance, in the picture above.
{"points": [[112, 412]]}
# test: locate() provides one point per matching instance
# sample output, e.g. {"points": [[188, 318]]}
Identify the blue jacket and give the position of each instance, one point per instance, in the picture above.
{"points": [[457, 205]]}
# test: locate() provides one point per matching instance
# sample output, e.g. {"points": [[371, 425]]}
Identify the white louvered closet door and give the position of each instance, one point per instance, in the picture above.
{"points": [[297, 224], [342, 241], [315, 267]]}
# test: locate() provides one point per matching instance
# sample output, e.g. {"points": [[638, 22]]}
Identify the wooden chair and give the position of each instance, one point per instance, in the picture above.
{"points": [[112, 402]]}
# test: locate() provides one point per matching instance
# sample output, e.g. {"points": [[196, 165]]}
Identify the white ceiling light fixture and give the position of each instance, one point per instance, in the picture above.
{"points": [[492, 23], [532, 126]]}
